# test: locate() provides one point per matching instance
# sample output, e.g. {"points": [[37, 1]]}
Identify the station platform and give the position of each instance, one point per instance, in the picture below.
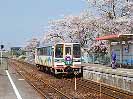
{"points": [[106, 69], [13, 86], [119, 77]]}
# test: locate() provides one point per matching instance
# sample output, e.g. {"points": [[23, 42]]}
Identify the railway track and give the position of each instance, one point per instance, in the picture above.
{"points": [[46, 90], [106, 90], [55, 89]]}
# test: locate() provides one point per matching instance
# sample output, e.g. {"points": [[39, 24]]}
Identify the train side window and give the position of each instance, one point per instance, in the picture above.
{"points": [[41, 51], [49, 49], [38, 51], [45, 51], [52, 51], [59, 51]]}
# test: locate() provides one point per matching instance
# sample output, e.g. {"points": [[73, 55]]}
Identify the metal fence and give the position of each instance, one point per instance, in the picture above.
{"points": [[97, 59]]}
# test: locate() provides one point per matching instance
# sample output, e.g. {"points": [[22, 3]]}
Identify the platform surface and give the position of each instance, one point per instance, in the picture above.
{"points": [[106, 69], [7, 91]]}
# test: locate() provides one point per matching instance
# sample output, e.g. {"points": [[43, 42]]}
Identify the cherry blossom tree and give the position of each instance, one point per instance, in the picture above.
{"points": [[112, 8], [32, 44], [73, 29], [115, 17]]}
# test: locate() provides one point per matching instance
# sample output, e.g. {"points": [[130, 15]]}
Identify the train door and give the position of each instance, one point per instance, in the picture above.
{"points": [[58, 59], [53, 55], [68, 55]]}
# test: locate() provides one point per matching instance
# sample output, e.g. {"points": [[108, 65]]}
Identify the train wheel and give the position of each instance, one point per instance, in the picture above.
{"points": [[37, 65], [41, 68], [53, 71], [49, 71]]}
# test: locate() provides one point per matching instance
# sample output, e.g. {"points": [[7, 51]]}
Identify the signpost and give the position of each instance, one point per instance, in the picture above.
{"points": [[75, 73], [100, 89]]}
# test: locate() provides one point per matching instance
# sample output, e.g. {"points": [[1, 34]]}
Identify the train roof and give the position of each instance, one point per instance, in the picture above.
{"points": [[47, 45], [67, 43]]}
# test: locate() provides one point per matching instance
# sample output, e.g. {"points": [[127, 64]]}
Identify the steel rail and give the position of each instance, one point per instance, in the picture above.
{"points": [[107, 90], [38, 79]]}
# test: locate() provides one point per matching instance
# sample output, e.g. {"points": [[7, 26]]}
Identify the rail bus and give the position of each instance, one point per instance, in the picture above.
{"points": [[60, 58]]}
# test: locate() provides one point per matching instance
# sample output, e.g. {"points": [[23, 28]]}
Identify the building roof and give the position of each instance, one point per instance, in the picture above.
{"points": [[116, 37]]}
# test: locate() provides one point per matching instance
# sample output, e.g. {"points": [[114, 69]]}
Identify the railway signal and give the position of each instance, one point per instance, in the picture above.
{"points": [[1, 47]]}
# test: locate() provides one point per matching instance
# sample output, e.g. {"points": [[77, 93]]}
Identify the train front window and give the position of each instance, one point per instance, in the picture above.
{"points": [[76, 51], [68, 50], [59, 51]]}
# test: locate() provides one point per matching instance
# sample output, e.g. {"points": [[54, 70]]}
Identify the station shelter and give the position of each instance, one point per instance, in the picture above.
{"points": [[122, 45]]}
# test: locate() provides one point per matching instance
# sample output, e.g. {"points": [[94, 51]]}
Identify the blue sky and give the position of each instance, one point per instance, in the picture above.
{"points": [[20, 20]]}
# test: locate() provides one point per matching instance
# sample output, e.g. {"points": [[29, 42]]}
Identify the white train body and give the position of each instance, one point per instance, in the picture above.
{"points": [[59, 58]]}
